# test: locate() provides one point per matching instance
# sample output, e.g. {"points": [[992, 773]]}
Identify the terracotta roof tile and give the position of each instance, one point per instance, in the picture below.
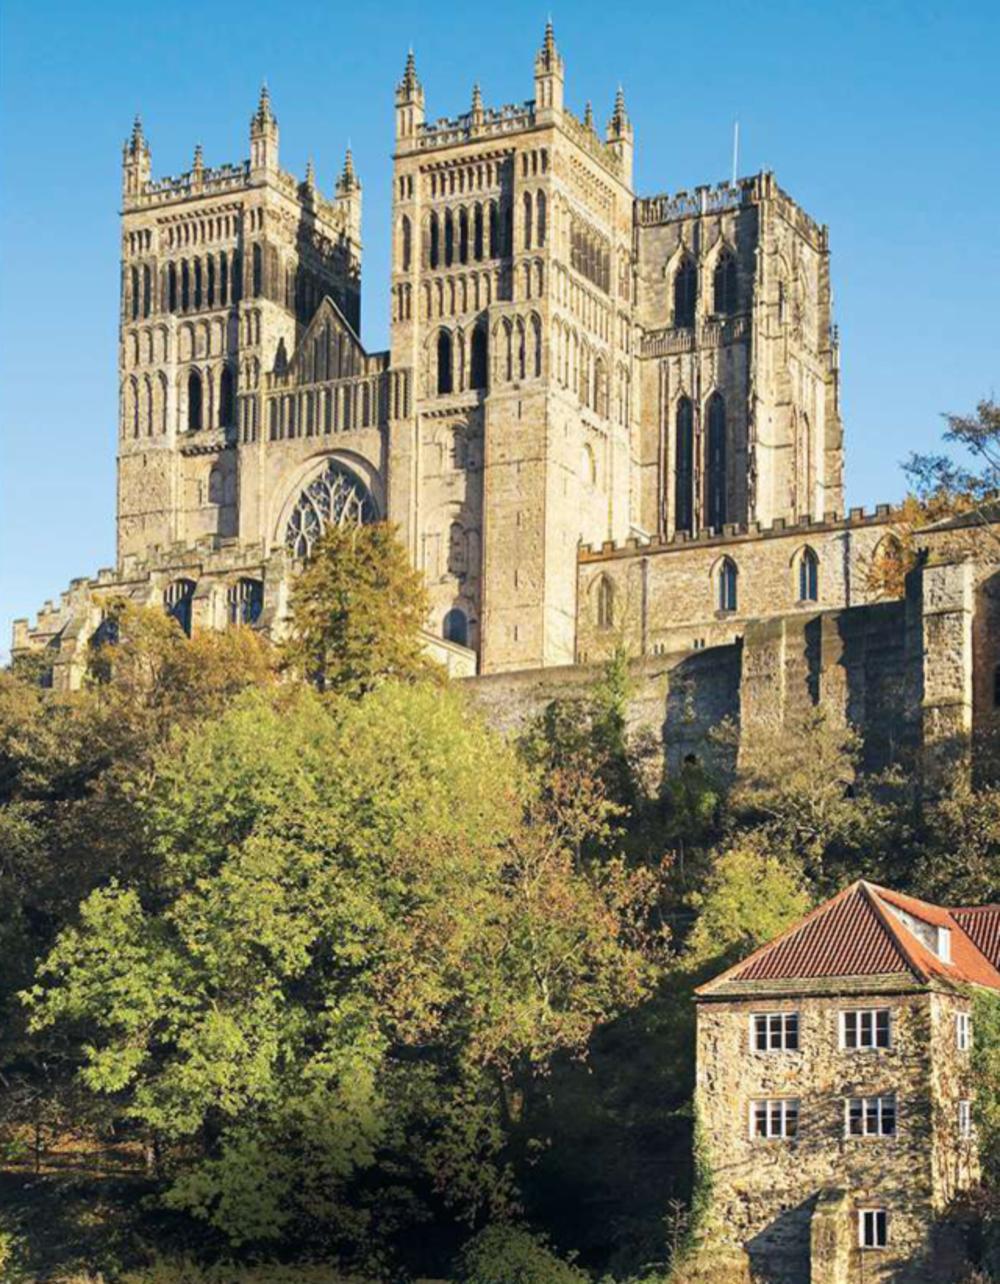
{"points": [[860, 934]]}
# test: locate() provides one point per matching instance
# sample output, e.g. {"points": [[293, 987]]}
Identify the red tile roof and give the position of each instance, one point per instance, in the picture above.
{"points": [[982, 926], [859, 933]]}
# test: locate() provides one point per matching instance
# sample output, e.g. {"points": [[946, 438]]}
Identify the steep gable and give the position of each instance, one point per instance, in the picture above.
{"points": [[328, 349]]}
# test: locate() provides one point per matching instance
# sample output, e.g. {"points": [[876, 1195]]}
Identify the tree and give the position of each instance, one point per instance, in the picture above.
{"points": [[362, 932], [357, 609], [963, 486]]}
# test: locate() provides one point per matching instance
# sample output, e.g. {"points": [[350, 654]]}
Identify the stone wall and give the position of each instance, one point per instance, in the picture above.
{"points": [[766, 1191]]}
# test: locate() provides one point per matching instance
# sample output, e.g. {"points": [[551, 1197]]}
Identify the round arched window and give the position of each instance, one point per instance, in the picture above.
{"points": [[335, 497]]}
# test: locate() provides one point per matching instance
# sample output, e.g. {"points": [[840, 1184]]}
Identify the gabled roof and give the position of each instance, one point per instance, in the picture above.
{"points": [[866, 931], [328, 314]]}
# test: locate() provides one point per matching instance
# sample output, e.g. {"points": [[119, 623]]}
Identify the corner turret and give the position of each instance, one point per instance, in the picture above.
{"points": [[263, 137], [409, 101], [620, 136], [137, 164], [347, 192], [549, 76]]}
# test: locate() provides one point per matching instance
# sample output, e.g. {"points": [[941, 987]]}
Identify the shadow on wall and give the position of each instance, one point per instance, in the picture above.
{"points": [[703, 693], [780, 1252]]}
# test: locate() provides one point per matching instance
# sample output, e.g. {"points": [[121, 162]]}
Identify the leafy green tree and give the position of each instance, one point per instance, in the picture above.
{"points": [[357, 608], [360, 933], [513, 1255], [971, 481]]}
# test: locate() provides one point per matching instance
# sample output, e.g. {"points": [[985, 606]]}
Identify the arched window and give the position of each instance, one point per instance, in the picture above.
{"points": [[521, 350], [245, 601], [210, 281], [684, 466], [133, 278], [479, 358], [715, 464], [508, 337], [494, 231], [147, 290], [588, 465], [725, 284], [605, 603], [808, 576], [536, 345], [477, 233], [197, 283], [223, 279], [449, 238], [407, 243], [258, 270], [177, 600], [236, 276], [194, 401], [226, 408], [185, 286], [445, 376], [685, 292], [728, 578], [463, 235], [337, 497], [172, 287], [527, 220], [456, 627], [540, 215]]}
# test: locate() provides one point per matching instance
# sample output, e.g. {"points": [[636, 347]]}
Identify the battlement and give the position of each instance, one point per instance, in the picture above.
{"points": [[651, 211], [446, 131], [588, 140], [881, 515], [219, 180]]}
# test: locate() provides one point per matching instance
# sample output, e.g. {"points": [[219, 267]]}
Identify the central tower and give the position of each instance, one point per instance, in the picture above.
{"points": [[512, 298]]}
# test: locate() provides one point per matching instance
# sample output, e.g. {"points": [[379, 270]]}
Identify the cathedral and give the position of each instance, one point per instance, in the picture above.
{"points": [[604, 419]]}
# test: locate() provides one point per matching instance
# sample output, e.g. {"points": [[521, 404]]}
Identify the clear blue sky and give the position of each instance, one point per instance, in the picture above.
{"points": [[882, 119]]}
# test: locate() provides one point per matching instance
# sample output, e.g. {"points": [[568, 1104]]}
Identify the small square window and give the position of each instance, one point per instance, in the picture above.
{"points": [[870, 1117], [873, 1228], [963, 1031], [775, 1119], [775, 1031], [865, 1028]]}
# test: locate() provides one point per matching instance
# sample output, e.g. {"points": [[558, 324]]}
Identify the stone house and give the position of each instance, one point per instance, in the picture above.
{"points": [[834, 1089]]}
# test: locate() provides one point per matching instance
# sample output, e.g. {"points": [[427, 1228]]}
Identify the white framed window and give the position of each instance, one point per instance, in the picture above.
{"points": [[775, 1118], [873, 1228], [870, 1116], [774, 1031], [865, 1028], [965, 1120], [963, 1031]]}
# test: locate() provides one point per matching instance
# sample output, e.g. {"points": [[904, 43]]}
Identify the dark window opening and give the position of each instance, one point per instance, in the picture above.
{"points": [[245, 601], [456, 627], [808, 577], [479, 358], [685, 293], [728, 578], [725, 284], [194, 401], [258, 271], [177, 601], [684, 467], [226, 416], [407, 237], [444, 362], [715, 496], [449, 238], [435, 247]]}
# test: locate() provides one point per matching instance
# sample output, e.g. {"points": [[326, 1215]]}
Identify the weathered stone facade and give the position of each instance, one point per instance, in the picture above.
{"points": [[793, 1202]]}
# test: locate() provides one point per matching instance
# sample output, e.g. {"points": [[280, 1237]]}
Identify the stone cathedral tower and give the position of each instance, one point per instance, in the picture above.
{"points": [[512, 306], [570, 366]]}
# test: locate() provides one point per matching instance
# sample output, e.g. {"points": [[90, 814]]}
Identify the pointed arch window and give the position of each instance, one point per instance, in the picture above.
{"points": [[407, 237], [494, 231], [449, 238], [177, 602], [725, 285], [685, 292], [456, 627], [527, 220], [337, 497], [605, 603], [133, 278], [684, 466], [808, 576], [147, 290], [223, 279], [715, 463], [540, 214], [463, 235], [445, 363], [727, 586], [536, 345], [197, 284], [185, 286], [258, 270], [479, 359], [477, 233], [245, 601], [194, 402], [172, 287], [226, 399]]}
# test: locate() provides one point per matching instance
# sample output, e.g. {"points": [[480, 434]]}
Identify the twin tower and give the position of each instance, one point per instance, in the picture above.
{"points": [[569, 364]]}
